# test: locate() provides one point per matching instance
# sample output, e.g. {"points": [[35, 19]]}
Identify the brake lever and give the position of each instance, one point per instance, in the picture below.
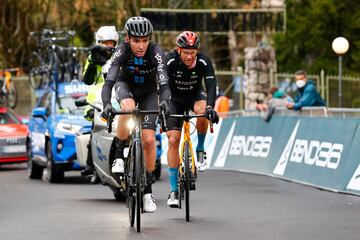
{"points": [[211, 124], [163, 122], [109, 123]]}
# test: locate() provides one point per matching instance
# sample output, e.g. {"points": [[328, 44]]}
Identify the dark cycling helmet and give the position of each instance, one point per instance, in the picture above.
{"points": [[138, 27], [188, 39]]}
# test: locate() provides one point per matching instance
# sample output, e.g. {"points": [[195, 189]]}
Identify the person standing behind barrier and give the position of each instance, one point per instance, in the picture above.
{"points": [[96, 68], [187, 67], [307, 93]]}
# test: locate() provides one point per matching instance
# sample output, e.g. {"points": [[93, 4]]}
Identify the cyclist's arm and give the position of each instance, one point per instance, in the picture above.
{"points": [[162, 75], [210, 81], [116, 61]]}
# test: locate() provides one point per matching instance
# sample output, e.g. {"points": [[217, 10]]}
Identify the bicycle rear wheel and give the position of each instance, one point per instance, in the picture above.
{"points": [[37, 71], [12, 96], [187, 179], [138, 178]]}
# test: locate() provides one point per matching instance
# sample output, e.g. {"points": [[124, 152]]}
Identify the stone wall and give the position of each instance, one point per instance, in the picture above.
{"points": [[258, 62]]}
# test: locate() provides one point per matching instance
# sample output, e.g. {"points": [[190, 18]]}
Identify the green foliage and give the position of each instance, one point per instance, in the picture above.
{"points": [[312, 25]]}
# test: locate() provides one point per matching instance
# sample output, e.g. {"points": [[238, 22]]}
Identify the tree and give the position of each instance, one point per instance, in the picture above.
{"points": [[312, 25], [16, 20]]}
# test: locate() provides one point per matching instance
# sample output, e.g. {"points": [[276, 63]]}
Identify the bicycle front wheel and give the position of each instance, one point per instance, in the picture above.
{"points": [[187, 179], [130, 180], [139, 171]]}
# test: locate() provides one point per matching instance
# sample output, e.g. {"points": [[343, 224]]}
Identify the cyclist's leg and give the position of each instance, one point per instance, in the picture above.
{"points": [[201, 126], [149, 101], [174, 134], [127, 103], [201, 123]]}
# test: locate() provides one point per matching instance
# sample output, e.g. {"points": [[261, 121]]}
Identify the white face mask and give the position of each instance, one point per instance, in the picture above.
{"points": [[300, 83]]}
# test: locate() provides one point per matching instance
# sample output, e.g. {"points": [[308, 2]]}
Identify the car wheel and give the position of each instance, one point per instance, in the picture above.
{"points": [[34, 170], [55, 175], [157, 171]]}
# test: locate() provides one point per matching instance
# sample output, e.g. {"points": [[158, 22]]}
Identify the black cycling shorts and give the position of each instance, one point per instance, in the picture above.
{"points": [[179, 108], [147, 101]]}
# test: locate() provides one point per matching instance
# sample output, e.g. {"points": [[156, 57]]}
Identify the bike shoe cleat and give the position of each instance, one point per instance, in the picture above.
{"points": [[118, 166], [173, 200], [149, 203], [201, 161]]}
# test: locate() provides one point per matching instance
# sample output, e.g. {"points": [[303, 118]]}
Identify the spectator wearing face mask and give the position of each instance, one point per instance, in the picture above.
{"points": [[307, 93]]}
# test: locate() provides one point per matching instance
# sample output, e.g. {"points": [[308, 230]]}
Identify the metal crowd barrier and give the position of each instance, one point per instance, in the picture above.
{"points": [[305, 111]]}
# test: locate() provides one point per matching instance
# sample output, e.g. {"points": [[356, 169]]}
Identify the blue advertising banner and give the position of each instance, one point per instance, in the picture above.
{"points": [[317, 151]]}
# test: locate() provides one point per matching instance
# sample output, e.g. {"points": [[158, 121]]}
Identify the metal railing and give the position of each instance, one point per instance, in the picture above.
{"points": [[327, 86], [305, 111]]}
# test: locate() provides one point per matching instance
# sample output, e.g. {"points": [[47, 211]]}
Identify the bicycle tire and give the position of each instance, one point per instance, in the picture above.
{"points": [[187, 179], [12, 96], [138, 178], [130, 187], [54, 72], [37, 71]]}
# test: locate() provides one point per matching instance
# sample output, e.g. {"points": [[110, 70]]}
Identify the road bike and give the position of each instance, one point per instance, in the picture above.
{"points": [[135, 172], [8, 93], [45, 66], [187, 167]]}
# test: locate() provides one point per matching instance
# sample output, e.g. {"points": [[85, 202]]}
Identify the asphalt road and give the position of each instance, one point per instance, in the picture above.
{"points": [[226, 205]]}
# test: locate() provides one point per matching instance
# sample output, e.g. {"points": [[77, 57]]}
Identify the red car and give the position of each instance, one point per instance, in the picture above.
{"points": [[13, 134]]}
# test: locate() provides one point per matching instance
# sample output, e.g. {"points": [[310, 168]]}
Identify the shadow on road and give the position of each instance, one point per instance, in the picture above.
{"points": [[13, 167]]}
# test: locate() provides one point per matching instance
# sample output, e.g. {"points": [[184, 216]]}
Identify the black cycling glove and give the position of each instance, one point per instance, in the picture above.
{"points": [[106, 111], [164, 107], [100, 54], [212, 114]]}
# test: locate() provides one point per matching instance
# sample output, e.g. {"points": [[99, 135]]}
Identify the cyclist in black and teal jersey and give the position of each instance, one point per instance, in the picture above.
{"points": [[137, 69]]}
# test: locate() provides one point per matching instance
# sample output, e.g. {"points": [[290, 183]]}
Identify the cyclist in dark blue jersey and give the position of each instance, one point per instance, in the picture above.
{"points": [[187, 68], [137, 68]]}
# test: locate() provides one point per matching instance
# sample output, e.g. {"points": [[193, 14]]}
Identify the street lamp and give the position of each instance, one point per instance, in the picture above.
{"points": [[340, 45]]}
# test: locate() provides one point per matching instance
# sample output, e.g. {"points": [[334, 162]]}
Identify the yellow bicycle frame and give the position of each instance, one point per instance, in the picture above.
{"points": [[186, 138], [7, 74]]}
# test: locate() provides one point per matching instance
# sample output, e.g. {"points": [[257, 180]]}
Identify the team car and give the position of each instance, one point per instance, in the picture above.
{"points": [[53, 126], [13, 134]]}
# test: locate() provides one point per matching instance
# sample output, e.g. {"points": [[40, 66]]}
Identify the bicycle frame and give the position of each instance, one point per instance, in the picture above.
{"points": [[187, 138], [7, 74], [7, 89], [135, 173], [187, 176]]}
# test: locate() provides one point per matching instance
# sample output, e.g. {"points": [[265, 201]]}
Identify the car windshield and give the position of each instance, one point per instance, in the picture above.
{"points": [[66, 105], [8, 118]]}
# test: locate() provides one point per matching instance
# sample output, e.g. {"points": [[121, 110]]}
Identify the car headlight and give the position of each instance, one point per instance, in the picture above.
{"points": [[69, 128]]}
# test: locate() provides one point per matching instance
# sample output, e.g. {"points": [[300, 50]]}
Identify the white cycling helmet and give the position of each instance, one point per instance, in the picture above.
{"points": [[106, 33]]}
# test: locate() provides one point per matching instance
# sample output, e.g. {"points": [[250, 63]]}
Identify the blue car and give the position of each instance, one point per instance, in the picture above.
{"points": [[53, 126]]}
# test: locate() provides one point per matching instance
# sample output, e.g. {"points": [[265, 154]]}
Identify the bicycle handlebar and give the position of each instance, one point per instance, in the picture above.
{"points": [[187, 117], [135, 112]]}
